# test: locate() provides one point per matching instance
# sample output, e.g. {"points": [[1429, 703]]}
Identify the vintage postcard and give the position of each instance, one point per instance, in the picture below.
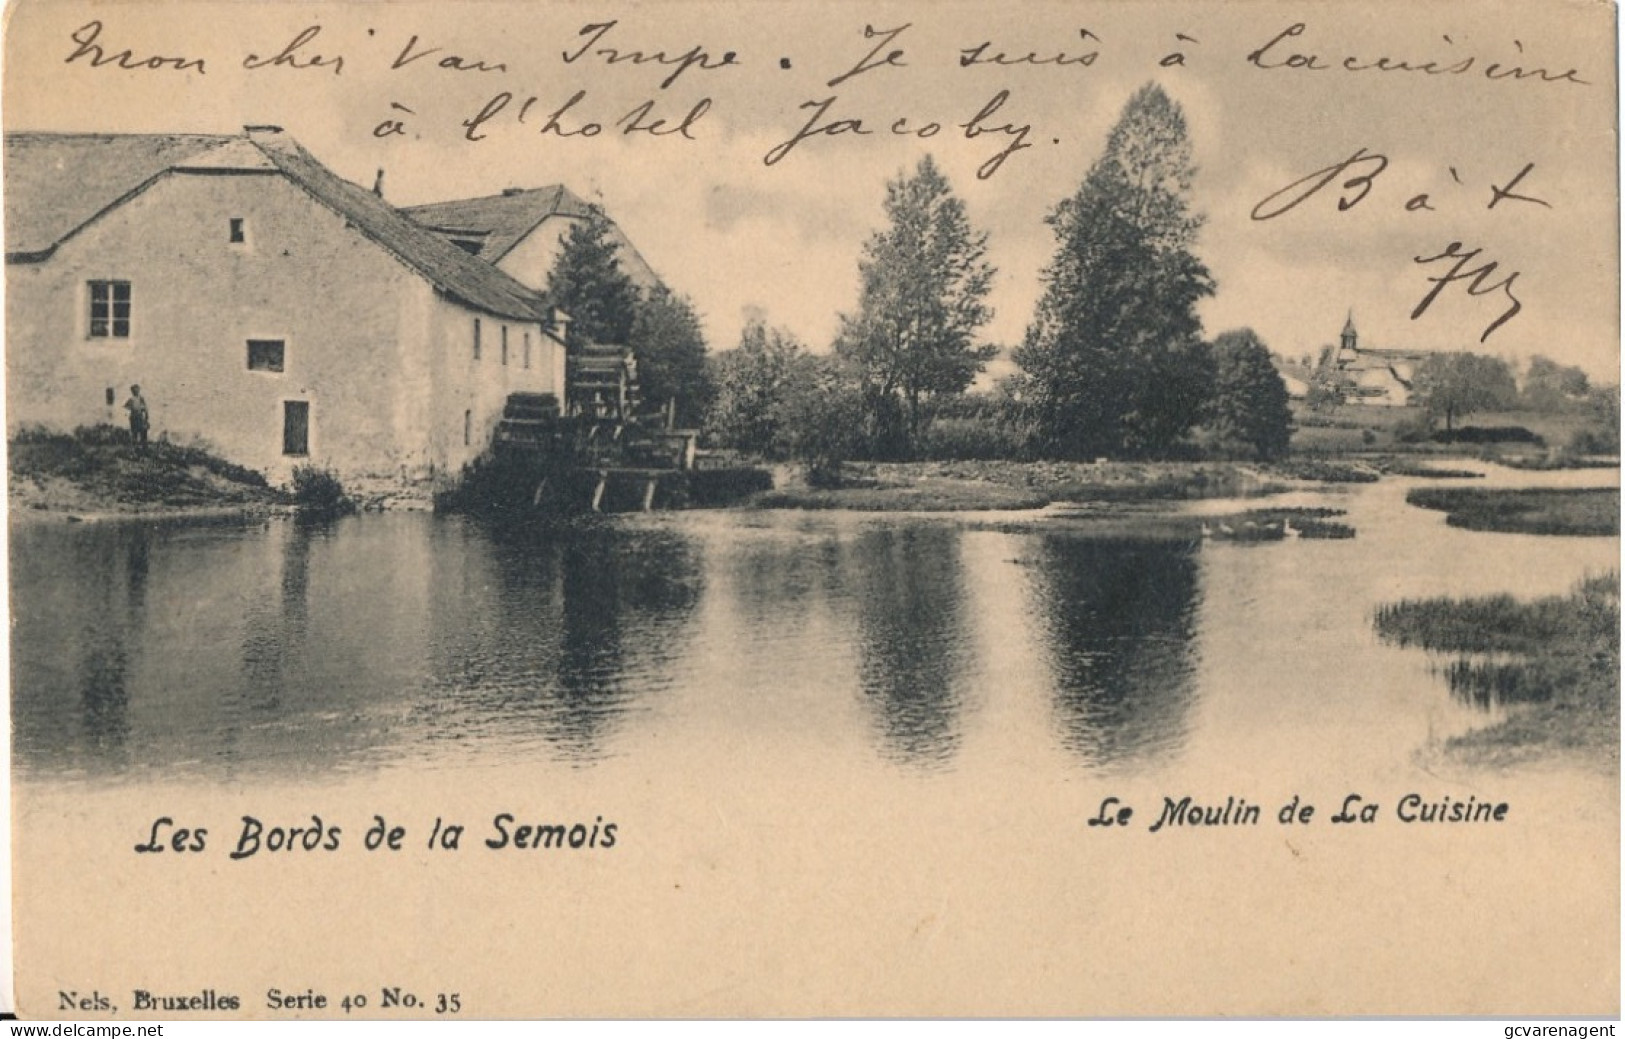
{"points": [[686, 509]]}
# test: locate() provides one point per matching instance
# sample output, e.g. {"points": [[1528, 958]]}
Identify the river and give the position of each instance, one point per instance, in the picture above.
{"points": [[846, 739]]}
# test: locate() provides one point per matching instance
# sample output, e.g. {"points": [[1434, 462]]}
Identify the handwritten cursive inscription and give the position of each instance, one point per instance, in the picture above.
{"points": [[566, 122], [451, 62], [1278, 54], [1355, 178], [817, 125], [873, 60], [88, 37], [983, 54], [695, 57], [1477, 279], [295, 55]]}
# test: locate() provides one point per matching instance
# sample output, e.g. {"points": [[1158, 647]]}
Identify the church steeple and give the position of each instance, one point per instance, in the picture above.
{"points": [[1350, 336]]}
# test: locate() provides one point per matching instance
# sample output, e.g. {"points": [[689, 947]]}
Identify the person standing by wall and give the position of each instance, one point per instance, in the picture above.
{"points": [[137, 407]]}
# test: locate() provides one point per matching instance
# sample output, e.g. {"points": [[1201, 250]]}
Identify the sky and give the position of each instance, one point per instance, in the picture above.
{"points": [[738, 234]]}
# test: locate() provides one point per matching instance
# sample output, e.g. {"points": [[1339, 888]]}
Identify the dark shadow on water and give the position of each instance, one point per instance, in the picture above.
{"points": [[1119, 619], [297, 649], [303, 649], [912, 638], [552, 633], [1487, 684], [275, 638], [75, 638]]}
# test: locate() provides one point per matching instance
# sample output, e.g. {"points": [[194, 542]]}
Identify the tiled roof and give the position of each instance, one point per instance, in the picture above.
{"points": [[56, 184], [501, 222], [1366, 360]]}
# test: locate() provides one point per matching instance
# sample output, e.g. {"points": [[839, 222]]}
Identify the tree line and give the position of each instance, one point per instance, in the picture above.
{"points": [[1114, 362]]}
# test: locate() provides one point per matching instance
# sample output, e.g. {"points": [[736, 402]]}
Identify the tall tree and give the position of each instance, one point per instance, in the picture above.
{"points": [[1453, 385], [670, 348], [1115, 349], [753, 382], [1249, 411], [924, 282], [588, 284]]}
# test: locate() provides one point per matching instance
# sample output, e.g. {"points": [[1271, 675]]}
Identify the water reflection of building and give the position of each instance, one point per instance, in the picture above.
{"points": [[1119, 621], [73, 662], [275, 637], [286, 649]]}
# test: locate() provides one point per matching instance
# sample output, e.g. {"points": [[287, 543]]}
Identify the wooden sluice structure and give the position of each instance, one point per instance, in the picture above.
{"points": [[593, 452], [598, 462], [644, 483]]}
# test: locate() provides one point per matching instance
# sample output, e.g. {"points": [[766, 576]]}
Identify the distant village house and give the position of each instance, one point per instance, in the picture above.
{"points": [[1382, 378], [1379, 378]]}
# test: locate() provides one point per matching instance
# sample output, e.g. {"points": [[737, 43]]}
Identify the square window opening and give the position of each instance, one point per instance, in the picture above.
{"points": [[266, 355]]}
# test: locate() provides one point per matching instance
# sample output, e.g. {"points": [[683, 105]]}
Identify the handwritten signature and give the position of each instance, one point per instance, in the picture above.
{"points": [[1355, 177]]}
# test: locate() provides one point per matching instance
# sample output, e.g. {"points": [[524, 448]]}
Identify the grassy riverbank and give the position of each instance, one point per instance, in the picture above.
{"points": [[987, 485], [1573, 511], [96, 471], [1553, 663]]}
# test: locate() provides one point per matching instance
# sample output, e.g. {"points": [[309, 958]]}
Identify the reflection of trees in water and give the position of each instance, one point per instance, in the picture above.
{"points": [[1119, 617], [627, 597], [545, 625], [912, 637], [775, 580]]}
